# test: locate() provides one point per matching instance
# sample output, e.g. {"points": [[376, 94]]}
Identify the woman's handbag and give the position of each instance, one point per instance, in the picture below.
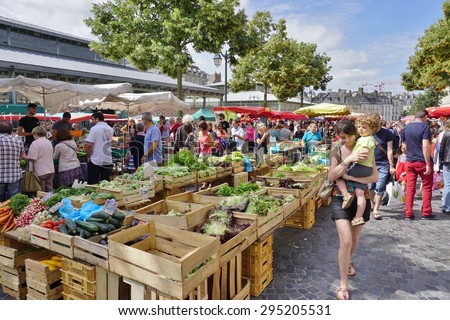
{"points": [[31, 182], [326, 190]]}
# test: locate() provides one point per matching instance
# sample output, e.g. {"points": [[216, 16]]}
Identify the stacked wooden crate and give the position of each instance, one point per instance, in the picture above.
{"points": [[13, 268], [79, 280], [42, 283], [172, 261], [240, 178], [257, 265], [304, 217]]}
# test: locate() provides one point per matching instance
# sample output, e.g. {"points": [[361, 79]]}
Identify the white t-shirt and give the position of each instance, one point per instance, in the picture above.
{"points": [[41, 151], [240, 132], [66, 154], [100, 136]]}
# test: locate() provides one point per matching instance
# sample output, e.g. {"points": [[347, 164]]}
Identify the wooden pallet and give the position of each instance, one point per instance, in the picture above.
{"points": [[42, 283], [165, 259]]}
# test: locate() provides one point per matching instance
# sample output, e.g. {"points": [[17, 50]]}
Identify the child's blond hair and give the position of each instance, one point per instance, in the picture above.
{"points": [[371, 120]]}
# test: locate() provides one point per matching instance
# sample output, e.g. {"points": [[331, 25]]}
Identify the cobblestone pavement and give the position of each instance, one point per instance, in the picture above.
{"points": [[396, 259]]}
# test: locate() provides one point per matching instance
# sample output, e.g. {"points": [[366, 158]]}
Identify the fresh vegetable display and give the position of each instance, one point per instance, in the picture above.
{"points": [[18, 202], [238, 203], [221, 224], [54, 199], [29, 213], [122, 185], [7, 222], [290, 183], [174, 171], [243, 188], [53, 263], [262, 204]]}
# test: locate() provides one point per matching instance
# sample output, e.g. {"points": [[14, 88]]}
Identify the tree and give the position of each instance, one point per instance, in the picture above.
{"points": [[280, 63], [424, 100], [429, 67], [158, 33]]}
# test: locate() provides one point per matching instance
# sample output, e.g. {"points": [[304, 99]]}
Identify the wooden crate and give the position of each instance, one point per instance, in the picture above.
{"points": [[14, 258], [79, 280], [14, 282], [289, 207], [204, 179], [135, 205], [303, 218], [244, 294], [126, 196], [196, 214], [61, 243], [223, 172], [259, 171], [207, 196], [237, 164], [257, 265], [227, 282], [164, 259], [318, 203], [111, 286], [311, 176], [39, 236], [170, 182], [258, 257], [237, 169], [140, 291], [42, 283], [240, 178]]}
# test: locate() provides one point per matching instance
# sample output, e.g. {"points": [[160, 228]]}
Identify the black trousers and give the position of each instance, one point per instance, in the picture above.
{"points": [[98, 173]]}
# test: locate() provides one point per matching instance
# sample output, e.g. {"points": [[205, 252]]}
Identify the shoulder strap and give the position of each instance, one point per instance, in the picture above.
{"points": [[378, 144]]}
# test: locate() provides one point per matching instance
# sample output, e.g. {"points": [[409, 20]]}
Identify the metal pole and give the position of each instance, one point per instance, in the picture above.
{"points": [[226, 76]]}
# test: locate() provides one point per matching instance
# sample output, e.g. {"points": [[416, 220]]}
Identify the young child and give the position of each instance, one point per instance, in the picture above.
{"points": [[400, 170], [367, 125]]}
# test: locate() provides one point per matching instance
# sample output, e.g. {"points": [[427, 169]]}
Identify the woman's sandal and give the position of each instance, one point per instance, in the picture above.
{"points": [[351, 270], [377, 216], [342, 294], [357, 221]]}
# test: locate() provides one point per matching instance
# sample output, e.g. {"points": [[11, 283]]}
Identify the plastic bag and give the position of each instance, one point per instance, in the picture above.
{"points": [[395, 193], [87, 209], [438, 181], [247, 165]]}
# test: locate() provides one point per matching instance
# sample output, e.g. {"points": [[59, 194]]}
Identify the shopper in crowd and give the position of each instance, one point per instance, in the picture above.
{"points": [[63, 123], [311, 138], [41, 156], [341, 158], [11, 152], [222, 140], [444, 165], [180, 136], [285, 133], [261, 140], [238, 135], [298, 135], [384, 159], [27, 124], [152, 140], [164, 128], [69, 167], [98, 150], [275, 134], [205, 139], [224, 124], [250, 136], [417, 137], [174, 128], [191, 140], [136, 146]]}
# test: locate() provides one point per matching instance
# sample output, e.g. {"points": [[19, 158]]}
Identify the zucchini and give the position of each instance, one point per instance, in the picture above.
{"points": [[119, 215], [63, 229], [89, 226], [71, 226], [101, 220], [101, 227], [115, 222], [81, 232], [111, 226], [101, 214]]}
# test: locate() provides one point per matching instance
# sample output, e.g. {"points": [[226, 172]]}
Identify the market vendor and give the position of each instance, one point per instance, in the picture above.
{"points": [[311, 135], [64, 123], [27, 124]]}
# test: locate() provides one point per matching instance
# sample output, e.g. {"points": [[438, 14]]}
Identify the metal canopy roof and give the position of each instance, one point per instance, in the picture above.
{"points": [[29, 61]]}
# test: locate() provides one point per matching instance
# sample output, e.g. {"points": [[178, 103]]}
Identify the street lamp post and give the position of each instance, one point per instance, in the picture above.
{"points": [[218, 62]]}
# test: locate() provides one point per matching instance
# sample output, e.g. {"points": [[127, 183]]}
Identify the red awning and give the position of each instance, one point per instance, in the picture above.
{"points": [[17, 117], [289, 115], [88, 116], [439, 112]]}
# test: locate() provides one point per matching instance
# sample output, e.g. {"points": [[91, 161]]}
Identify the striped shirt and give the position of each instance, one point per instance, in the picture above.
{"points": [[11, 148]]}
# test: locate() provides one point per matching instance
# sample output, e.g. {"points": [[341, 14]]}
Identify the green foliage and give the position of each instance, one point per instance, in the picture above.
{"points": [[18, 202], [159, 33], [428, 98], [429, 67]]}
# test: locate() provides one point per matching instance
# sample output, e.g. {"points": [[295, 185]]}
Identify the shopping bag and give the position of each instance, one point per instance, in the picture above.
{"points": [[326, 190], [30, 182], [395, 193], [438, 181]]}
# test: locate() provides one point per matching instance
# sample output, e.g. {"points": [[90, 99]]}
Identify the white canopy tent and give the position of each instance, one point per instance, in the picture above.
{"points": [[56, 96], [158, 103]]}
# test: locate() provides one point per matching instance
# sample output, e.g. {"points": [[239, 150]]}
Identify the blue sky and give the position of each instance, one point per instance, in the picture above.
{"points": [[369, 41]]}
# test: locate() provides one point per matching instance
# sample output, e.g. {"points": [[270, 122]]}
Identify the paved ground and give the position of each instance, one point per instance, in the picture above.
{"points": [[396, 259]]}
